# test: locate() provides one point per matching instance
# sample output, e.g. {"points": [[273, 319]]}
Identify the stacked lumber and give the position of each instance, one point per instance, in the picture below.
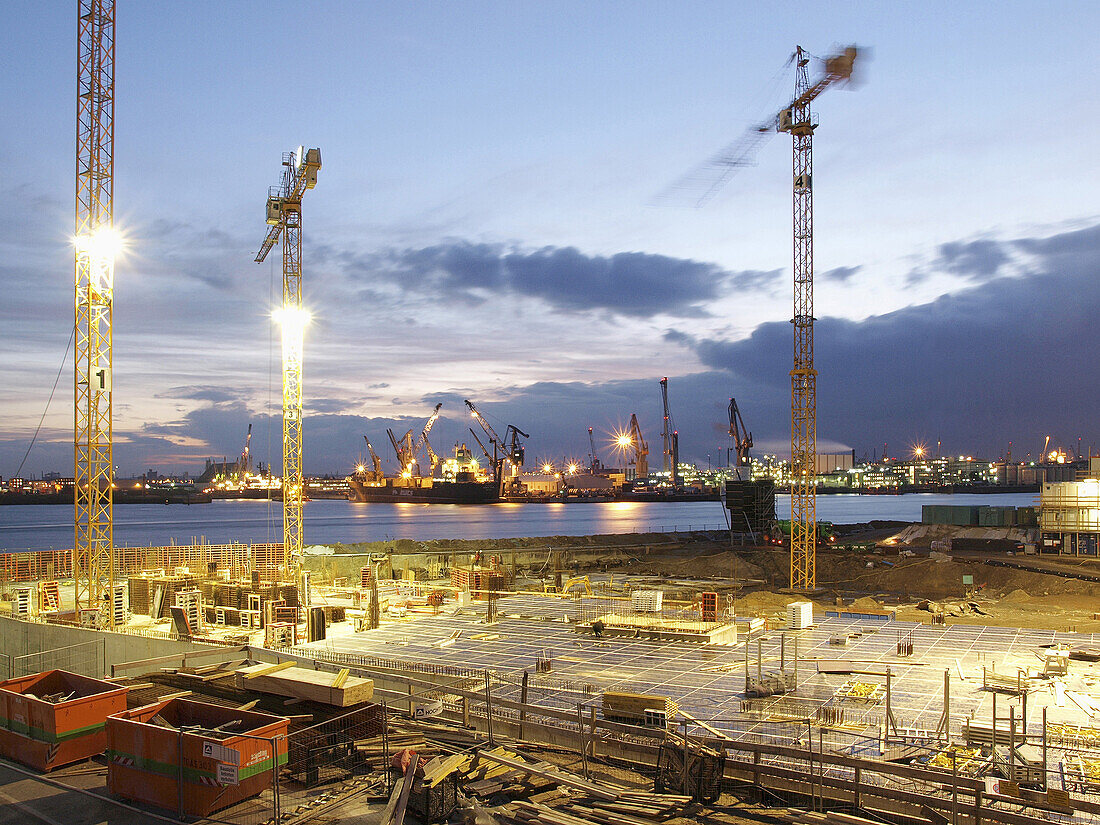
{"points": [[828, 818], [633, 809], [285, 679]]}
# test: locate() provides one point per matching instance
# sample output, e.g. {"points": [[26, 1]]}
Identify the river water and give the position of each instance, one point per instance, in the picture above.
{"points": [[50, 527]]}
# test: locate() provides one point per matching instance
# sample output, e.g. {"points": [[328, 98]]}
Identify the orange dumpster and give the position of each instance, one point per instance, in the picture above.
{"points": [[145, 746], [46, 734]]}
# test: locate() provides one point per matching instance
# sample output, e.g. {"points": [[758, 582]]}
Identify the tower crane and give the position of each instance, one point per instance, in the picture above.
{"points": [[797, 120], [672, 440], [95, 244], [284, 220], [742, 440]]}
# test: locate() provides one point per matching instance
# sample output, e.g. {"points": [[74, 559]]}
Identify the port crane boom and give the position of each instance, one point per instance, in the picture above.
{"points": [[376, 462], [505, 449], [634, 439], [796, 119], [742, 438], [423, 439], [284, 220], [672, 440], [244, 464]]}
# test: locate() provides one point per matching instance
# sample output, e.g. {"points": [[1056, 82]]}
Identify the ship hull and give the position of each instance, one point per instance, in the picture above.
{"points": [[438, 492]]}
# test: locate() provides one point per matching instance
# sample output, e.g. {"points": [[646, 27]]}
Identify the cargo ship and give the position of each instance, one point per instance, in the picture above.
{"points": [[461, 481]]}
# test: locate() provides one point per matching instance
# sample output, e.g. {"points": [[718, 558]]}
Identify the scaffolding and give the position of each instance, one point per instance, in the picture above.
{"points": [[1069, 517]]}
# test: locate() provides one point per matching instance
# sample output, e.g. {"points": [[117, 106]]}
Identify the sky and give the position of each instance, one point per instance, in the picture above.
{"points": [[490, 223]]}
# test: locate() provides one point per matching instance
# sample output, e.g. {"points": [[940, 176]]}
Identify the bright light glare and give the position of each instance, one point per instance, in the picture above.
{"points": [[624, 441], [548, 468], [572, 468], [102, 245], [359, 468], [291, 318]]}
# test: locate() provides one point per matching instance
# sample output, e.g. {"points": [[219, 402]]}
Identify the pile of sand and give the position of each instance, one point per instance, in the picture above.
{"points": [[865, 603], [1016, 596]]}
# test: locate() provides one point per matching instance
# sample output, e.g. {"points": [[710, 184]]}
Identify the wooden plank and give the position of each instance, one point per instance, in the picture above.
{"points": [[406, 788], [341, 677], [702, 724], [303, 684], [249, 705], [180, 658], [555, 775], [444, 769], [267, 670]]}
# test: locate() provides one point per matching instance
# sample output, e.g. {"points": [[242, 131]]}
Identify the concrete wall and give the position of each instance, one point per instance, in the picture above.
{"points": [[18, 638]]}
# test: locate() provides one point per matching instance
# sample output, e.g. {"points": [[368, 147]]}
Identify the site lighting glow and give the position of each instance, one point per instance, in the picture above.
{"points": [[572, 468], [360, 468], [548, 468], [291, 319], [99, 248], [102, 245]]}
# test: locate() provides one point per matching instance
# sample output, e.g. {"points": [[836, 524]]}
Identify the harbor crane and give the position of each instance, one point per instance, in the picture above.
{"points": [[244, 463], [632, 439], [672, 440], [742, 441], [95, 245], [404, 449], [407, 451], [284, 220], [507, 449], [797, 120], [594, 464], [422, 441], [377, 473]]}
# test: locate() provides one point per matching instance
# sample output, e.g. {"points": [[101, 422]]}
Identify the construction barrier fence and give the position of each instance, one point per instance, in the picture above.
{"points": [[240, 559]]}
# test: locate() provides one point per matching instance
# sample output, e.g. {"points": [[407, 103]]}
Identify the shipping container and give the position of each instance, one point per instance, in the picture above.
{"points": [[1027, 516], [47, 734], [144, 755]]}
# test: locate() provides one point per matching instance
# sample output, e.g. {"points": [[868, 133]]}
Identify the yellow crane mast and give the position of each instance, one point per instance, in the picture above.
{"points": [[284, 217], [96, 245], [796, 119]]}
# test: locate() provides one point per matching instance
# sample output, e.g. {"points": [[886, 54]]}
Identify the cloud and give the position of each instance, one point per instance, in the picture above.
{"points": [[840, 274], [213, 394], [974, 369], [976, 261], [971, 259], [753, 279], [634, 284]]}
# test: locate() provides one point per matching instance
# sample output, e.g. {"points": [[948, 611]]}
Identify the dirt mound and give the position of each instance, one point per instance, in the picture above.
{"points": [[1016, 596], [762, 602], [866, 603]]}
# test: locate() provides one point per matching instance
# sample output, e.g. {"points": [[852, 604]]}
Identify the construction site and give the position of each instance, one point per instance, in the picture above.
{"points": [[612, 680]]}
